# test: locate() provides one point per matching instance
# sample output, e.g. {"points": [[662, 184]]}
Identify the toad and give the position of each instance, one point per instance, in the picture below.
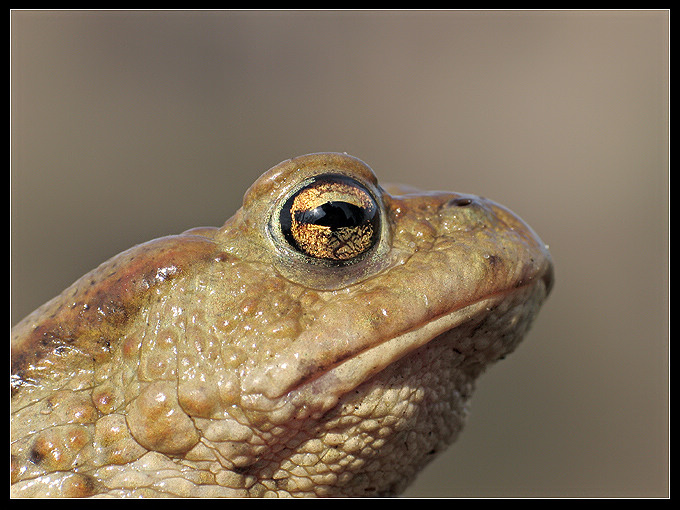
{"points": [[324, 342]]}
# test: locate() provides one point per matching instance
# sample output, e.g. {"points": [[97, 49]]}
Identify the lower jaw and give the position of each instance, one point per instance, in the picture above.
{"points": [[419, 403]]}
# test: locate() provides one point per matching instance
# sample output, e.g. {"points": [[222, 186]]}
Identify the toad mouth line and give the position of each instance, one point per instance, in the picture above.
{"points": [[347, 373]]}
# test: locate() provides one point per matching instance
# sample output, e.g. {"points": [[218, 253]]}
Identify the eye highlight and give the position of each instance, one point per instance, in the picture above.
{"points": [[332, 218]]}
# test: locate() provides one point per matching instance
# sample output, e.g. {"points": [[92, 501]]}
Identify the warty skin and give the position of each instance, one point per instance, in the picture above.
{"points": [[228, 362]]}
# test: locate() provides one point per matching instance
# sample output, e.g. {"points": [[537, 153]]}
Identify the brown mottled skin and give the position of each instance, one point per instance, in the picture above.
{"points": [[222, 362]]}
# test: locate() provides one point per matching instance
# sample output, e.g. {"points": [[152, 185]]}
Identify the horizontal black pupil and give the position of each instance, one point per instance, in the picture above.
{"points": [[334, 215]]}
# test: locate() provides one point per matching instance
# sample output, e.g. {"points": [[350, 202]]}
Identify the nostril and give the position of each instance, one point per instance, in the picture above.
{"points": [[459, 202]]}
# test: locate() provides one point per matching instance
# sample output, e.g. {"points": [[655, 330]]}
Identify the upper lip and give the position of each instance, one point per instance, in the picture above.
{"points": [[337, 376], [548, 277], [343, 375]]}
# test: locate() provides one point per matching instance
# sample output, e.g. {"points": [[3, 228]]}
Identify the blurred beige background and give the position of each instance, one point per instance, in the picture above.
{"points": [[132, 125]]}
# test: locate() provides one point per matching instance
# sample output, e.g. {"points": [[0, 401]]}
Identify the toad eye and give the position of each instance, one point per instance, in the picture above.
{"points": [[332, 218]]}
